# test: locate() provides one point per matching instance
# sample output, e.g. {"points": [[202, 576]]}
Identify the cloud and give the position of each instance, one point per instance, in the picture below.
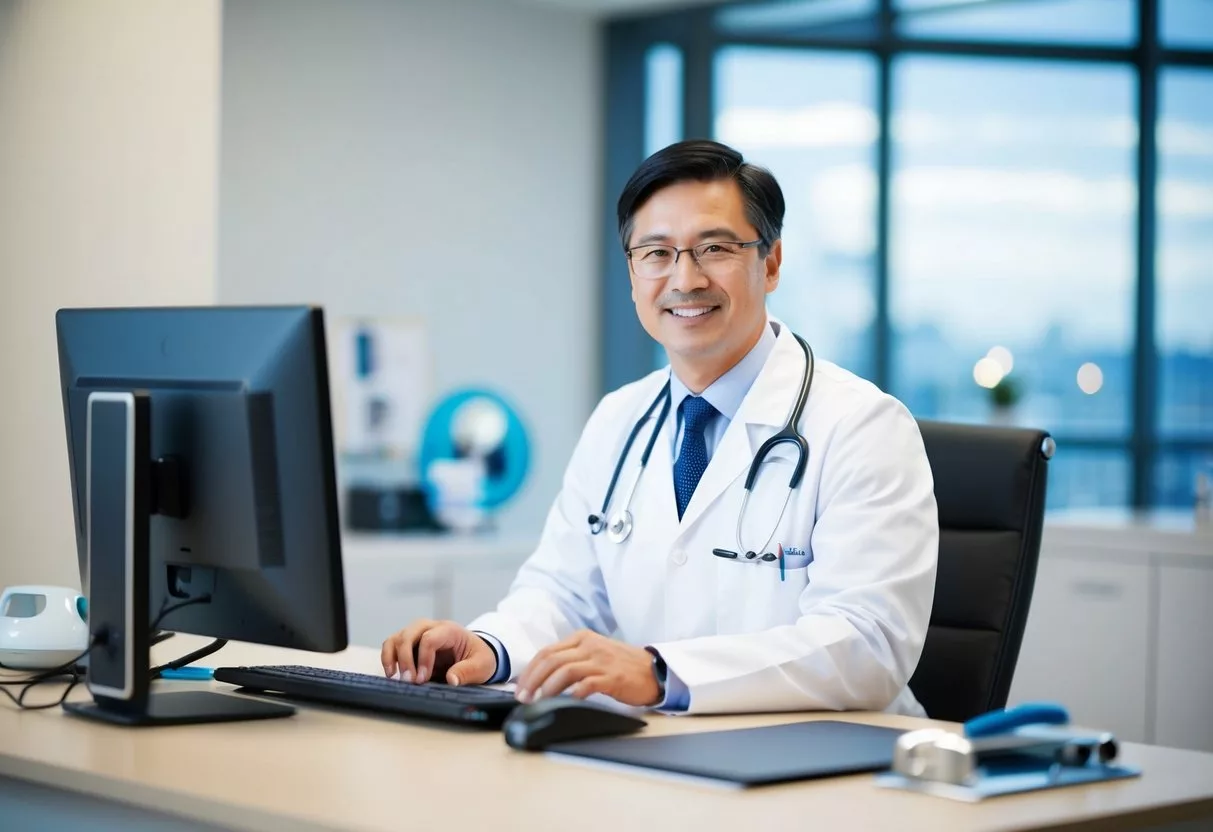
{"points": [[842, 209], [922, 129], [1183, 138], [1181, 198], [975, 188], [836, 124]]}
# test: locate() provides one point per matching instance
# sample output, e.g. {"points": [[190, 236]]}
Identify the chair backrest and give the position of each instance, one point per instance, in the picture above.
{"points": [[990, 489]]}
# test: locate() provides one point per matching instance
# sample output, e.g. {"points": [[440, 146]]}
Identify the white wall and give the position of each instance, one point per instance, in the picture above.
{"points": [[108, 167], [437, 160]]}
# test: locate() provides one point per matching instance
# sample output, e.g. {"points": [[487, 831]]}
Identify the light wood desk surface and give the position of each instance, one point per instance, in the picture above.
{"points": [[328, 769]]}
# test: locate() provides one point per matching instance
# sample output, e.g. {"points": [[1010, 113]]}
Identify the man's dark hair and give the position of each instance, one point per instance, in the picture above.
{"points": [[705, 161]]}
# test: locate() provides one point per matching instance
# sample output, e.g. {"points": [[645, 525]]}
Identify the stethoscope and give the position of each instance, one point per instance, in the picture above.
{"points": [[619, 525]]}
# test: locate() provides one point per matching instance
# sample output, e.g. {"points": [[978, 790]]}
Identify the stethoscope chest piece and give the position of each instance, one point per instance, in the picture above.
{"points": [[620, 527]]}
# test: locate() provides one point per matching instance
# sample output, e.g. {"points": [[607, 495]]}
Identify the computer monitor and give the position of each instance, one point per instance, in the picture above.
{"points": [[204, 492]]}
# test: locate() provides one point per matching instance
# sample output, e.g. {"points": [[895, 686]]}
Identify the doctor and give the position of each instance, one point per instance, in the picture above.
{"points": [[674, 615]]}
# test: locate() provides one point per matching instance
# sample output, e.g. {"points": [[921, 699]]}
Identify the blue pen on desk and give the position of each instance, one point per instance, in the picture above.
{"points": [[781, 572], [188, 674]]}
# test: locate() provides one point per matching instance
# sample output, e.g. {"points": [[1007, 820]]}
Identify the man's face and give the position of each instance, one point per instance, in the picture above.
{"points": [[702, 315]]}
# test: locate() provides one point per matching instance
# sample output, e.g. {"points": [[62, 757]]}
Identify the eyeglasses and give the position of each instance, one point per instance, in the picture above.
{"points": [[658, 261]]}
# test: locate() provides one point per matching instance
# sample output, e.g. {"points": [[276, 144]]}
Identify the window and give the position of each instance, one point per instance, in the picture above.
{"points": [[1187, 24], [663, 97], [1184, 264], [964, 184], [792, 19], [1175, 478], [1087, 478], [809, 118], [1039, 21], [1012, 243]]}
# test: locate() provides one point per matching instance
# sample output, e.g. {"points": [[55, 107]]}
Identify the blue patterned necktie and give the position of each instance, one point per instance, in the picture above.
{"points": [[693, 455]]}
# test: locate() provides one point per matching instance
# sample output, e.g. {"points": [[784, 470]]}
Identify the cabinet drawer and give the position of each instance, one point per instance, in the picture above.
{"points": [[1087, 642], [381, 599]]}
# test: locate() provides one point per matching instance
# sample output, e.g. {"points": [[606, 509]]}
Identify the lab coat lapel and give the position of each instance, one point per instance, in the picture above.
{"points": [[764, 409]]}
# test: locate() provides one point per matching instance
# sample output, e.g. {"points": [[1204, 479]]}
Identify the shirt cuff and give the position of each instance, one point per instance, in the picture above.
{"points": [[677, 694], [502, 673]]}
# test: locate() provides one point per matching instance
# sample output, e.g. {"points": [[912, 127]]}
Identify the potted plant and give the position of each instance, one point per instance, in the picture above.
{"points": [[1004, 396]]}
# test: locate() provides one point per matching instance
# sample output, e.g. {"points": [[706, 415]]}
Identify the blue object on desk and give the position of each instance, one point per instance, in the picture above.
{"points": [[189, 674], [1004, 721]]}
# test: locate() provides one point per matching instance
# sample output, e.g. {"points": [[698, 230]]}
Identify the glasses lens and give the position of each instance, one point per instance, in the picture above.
{"points": [[653, 261], [709, 254]]}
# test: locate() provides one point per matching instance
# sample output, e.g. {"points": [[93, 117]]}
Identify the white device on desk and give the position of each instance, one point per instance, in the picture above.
{"points": [[41, 627]]}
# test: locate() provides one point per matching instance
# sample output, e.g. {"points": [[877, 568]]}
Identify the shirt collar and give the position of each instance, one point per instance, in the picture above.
{"points": [[727, 392]]}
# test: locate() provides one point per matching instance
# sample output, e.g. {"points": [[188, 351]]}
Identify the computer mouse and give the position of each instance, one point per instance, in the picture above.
{"points": [[536, 725]]}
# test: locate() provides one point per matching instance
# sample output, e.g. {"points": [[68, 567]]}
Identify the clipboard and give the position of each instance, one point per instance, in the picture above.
{"points": [[747, 757]]}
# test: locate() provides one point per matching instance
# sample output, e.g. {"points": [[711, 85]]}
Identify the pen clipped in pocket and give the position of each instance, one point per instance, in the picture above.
{"points": [[793, 558]]}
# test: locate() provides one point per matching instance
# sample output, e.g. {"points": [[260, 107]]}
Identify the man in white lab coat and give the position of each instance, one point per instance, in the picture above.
{"points": [[818, 599]]}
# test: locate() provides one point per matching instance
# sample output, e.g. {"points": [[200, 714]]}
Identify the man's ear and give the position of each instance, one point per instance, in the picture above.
{"points": [[773, 261]]}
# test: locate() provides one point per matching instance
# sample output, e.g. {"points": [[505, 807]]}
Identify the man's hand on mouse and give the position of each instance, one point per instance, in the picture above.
{"points": [[586, 663], [440, 650]]}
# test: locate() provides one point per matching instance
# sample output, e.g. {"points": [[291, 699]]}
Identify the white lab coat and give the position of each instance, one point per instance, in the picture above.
{"points": [[843, 633]]}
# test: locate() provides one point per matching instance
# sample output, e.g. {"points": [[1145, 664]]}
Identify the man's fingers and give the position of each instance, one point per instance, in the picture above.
{"points": [[541, 667], [476, 669], [397, 654], [432, 640], [591, 684], [387, 656], [565, 676]]}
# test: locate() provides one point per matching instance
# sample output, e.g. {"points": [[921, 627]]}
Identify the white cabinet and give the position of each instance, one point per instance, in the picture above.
{"points": [[477, 591], [1183, 700], [1087, 643], [382, 596], [1120, 625], [391, 580]]}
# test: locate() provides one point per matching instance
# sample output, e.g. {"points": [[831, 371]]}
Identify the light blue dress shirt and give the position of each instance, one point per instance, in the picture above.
{"points": [[725, 395]]}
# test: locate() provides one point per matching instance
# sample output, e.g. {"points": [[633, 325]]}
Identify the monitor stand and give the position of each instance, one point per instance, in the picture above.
{"points": [[120, 499]]}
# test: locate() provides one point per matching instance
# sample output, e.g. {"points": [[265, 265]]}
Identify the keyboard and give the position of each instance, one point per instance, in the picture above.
{"points": [[469, 705]]}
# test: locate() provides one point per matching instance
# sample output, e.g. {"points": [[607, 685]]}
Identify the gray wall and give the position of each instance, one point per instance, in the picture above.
{"points": [[108, 167], [434, 160]]}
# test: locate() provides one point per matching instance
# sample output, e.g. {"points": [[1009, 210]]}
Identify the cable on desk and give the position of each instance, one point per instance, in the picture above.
{"points": [[66, 669], [71, 671]]}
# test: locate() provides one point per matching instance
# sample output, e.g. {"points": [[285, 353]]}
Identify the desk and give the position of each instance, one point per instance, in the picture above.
{"points": [[329, 769]]}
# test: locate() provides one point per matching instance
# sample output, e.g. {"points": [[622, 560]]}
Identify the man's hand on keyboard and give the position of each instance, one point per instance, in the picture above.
{"points": [[441, 650]]}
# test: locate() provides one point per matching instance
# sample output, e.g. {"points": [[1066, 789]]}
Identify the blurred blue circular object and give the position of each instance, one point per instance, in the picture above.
{"points": [[482, 417]]}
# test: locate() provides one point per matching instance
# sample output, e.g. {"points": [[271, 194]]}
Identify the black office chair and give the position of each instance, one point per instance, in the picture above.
{"points": [[990, 488]]}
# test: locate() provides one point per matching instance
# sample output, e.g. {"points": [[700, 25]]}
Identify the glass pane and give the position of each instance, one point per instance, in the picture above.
{"points": [[1184, 262], [663, 97], [1175, 477], [809, 118], [1186, 24], [792, 19], [1088, 478], [1036, 21], [1012, 242]]}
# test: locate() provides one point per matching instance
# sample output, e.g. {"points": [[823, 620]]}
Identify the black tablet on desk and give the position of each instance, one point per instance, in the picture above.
{"points": [[749, 756]]}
